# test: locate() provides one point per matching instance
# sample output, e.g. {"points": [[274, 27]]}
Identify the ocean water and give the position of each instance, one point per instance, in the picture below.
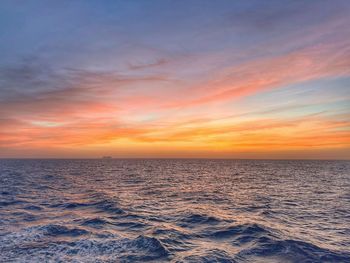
{"points": [[174, 211]]}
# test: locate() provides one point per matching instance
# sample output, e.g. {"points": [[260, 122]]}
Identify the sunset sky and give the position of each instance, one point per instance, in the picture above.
{"points": [[213, 79]]}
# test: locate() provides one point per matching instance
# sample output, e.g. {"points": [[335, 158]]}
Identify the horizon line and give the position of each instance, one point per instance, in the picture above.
{"points": [[170, 158]]}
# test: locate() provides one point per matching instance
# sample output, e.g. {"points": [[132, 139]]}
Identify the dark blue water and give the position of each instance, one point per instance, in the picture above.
{"points": [[174, 210]]}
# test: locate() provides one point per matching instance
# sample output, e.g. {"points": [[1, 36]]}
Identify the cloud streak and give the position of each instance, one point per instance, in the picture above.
{"points": [[176, 85]]}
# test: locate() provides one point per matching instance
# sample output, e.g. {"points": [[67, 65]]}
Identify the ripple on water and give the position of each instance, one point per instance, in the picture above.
{"points": [[214, 255], [275, 250], [245, 230], [192, 220], [151, 247], [174, 239], [32, 243], [108, 206], [174, 211], [95, 222], [59, 230]]}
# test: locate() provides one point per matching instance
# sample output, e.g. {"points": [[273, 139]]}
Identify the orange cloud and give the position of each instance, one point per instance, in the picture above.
{"points": [[270, 73], [109, 112]]}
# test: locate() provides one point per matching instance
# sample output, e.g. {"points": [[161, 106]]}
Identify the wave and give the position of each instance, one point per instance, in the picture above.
{"points": [[95, 222], [108, 206], [256, 242], [59, 230], [191, 220], [252, 243], [214, 255], [102, 206], [290, 251], [131, 225], [244, 231], [29, 244], [74, 205], [130, 215], [174, 239], [11, 203], [151, 246], [31, 235]]}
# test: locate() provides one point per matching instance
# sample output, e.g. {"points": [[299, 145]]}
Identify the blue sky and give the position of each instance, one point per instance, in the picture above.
{"points": [[85, 78]]}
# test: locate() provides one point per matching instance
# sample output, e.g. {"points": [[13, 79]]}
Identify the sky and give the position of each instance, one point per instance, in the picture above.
{"points": [[175, 79]]}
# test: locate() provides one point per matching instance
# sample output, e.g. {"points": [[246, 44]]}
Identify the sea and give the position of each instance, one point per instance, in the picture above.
{"points": [[174, 210]]}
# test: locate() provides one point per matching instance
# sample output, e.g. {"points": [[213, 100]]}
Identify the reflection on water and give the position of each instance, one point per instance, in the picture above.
{"points": [[174, 210]]}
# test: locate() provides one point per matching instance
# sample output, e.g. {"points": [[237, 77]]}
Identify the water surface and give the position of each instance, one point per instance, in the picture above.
{"points": [[174, 211]]}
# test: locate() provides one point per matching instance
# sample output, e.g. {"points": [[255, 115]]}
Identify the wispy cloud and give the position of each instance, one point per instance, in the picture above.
{"points": [[186, 80]]}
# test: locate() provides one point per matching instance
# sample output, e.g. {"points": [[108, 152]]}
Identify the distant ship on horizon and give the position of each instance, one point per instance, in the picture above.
{"points": [[107, 157]]}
